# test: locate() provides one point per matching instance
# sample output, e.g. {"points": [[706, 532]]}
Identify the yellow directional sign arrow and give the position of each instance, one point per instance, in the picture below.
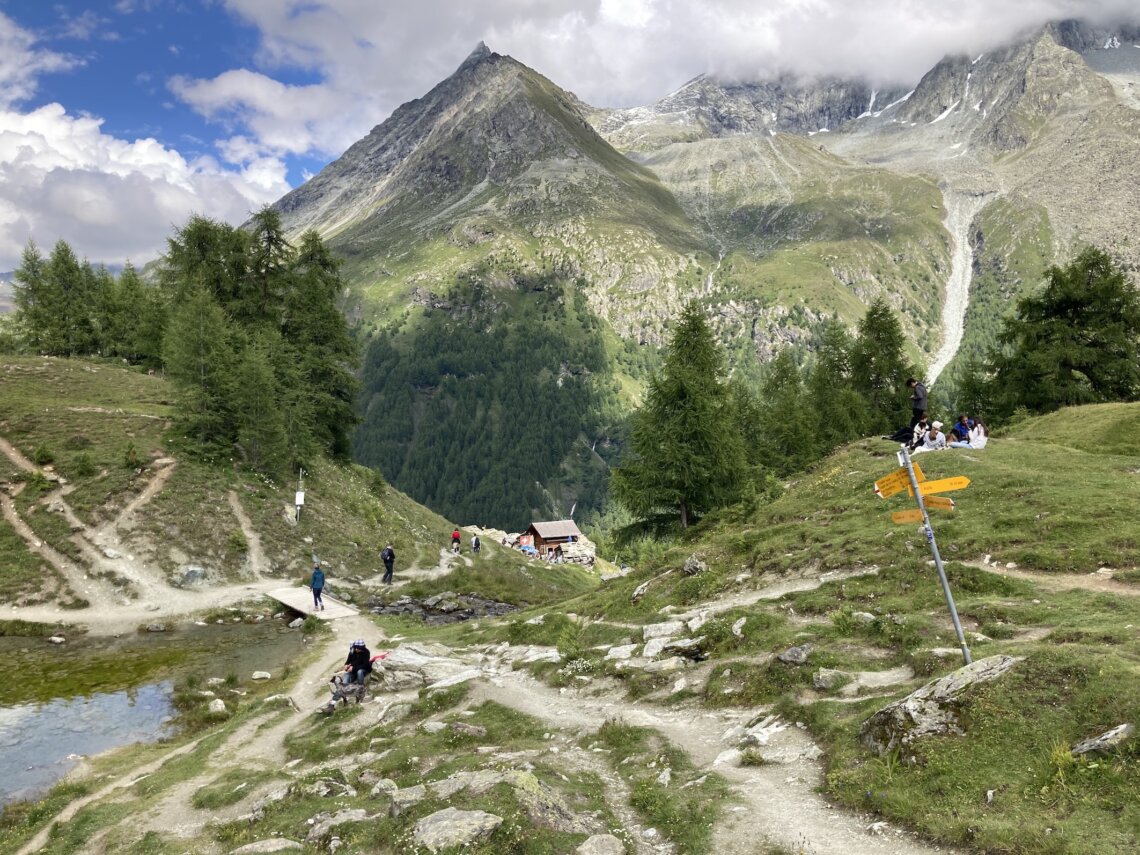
{"points": [[943, 485], [909, 516], [896, 482], [942, 503]]}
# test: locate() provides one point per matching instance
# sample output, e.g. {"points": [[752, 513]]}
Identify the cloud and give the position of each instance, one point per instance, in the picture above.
{"points": [[61, 176], [21, 63], [366, 57]]}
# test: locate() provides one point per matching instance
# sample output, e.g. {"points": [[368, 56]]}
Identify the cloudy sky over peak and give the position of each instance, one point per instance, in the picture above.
{"points": [[119, 118]]}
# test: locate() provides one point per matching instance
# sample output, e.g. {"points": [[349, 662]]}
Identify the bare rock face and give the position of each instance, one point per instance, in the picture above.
{"points": [[932, 709], [1106, 743], [451, 827]]}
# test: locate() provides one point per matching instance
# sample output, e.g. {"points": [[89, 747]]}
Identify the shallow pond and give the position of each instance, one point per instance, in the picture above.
{"points": [[62, 703]]}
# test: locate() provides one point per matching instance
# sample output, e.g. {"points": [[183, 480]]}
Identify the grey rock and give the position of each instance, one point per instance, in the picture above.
{"points": [[665, 666], [447, 787], [640, 590], [662, 630], [261, 675], [931, 709], [795, 655], [601, 844], [57, 639], [394, 712], [112, 554], [694, 566], [277, 844], [1106, 743], [621, 651], [738, 627], [827, 679], [383, 787], [863, 617], [217, 706], [296, 623], [406, 797], [689, 647], [654, 646], [433, 726], [190, 575], [451, 827], [156, 627], [323, 822]]}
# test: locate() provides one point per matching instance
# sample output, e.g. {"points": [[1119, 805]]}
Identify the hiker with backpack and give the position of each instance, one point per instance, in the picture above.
{"points": [[455, 539], [388, 556], [475, 543]]}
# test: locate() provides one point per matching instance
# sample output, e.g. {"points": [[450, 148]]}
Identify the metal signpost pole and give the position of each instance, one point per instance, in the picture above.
{"points": [[904, 459]]}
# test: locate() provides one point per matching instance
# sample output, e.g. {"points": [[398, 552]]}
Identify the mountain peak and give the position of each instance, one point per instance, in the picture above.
{"points": [[481, 52]]}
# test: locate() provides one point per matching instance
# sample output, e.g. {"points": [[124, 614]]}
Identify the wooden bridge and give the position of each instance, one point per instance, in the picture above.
{"points": [[300, 599]]}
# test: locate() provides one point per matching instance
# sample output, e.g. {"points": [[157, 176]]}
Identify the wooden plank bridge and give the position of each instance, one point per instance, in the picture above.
{"points": [[300, 599]]}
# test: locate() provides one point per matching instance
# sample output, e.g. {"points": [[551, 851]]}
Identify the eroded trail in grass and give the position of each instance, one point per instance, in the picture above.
{"points": [[779, 801], [1102, 583]]}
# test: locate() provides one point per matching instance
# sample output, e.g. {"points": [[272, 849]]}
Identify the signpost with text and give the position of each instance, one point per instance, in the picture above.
{"points": [[909, 476]]}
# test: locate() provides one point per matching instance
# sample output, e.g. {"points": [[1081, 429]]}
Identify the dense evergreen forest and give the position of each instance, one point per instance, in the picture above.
{"points": [[246, 325], [478, 403]]}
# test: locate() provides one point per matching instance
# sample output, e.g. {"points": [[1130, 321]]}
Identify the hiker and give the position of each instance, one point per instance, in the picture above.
{"points": [[934, 440], [475, 543], [455, 538], [317, 583], [917, 399], [388, 556], [358, 665]]}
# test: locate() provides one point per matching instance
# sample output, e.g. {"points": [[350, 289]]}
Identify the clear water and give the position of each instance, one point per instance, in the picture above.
{"points": [[41, 742]]}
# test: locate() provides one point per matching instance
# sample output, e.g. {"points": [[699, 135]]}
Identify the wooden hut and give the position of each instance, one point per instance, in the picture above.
{"points": [[548, 536]]}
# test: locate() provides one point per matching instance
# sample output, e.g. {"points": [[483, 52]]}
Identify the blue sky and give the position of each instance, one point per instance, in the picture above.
{"points": [[120, 118]]}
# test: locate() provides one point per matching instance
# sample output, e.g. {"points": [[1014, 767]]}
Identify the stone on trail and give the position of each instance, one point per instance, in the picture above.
{"points": [[451, 827], [662, 630], [665, 666], [795, 655], [827, 679], [690, 647], [621, 651], [931, 709], [277, 844], [261, 675], [394, 712], [601, 844], [654, 646], [57, 639], [456, 679], [1106, 743]]}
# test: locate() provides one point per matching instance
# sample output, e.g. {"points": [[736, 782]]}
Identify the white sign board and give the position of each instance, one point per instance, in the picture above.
{"points": [[300, 498]]}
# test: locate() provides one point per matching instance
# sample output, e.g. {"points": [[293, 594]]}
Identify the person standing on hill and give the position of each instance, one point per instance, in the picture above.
{"points": [[475, 543], [317, 583], [388, 556], [917, 400]]}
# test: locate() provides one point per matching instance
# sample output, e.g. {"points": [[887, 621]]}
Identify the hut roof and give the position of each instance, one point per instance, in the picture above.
{"points": [[556, 528]]}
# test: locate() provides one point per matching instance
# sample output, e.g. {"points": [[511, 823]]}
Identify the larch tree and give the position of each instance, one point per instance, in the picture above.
{"points": [[688, 455]]}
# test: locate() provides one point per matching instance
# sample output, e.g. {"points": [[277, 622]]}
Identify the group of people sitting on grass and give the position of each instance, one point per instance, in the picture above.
{"points": [[965, 433]]}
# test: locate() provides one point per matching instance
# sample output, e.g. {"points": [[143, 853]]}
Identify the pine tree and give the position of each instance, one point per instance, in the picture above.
{"points": [[879, 367], [33, 302], [840, 412], [688, 452], [1076, 342], [787, 426]]}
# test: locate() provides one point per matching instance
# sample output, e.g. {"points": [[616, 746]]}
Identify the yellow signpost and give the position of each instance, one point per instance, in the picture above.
{"points": [[910, 477], [942, 485], [911, 515], [941, 503]]}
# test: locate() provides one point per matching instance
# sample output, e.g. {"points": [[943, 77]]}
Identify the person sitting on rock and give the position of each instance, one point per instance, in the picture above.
{"points": [[358, 665]]}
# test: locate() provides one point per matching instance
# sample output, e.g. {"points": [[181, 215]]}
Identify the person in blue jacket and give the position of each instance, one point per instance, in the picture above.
{"points": [[317, 583]]}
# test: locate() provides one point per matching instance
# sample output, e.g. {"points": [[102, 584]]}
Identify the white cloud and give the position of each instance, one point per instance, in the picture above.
{"points": [[21, 63], [369, 57], [61, 176]]}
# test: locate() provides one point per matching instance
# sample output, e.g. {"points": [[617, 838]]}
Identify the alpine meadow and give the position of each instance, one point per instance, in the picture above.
{"points": [[753, 471]]}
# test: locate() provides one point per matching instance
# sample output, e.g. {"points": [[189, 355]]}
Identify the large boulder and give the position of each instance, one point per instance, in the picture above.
{"points": [[1106, 743], [450, 827], [930, 710], [601, 844]]}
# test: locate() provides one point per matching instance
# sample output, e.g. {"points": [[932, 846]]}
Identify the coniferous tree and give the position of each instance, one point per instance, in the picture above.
{"points": [[689, 455], [259, 418], [33, 302], [879, 367], [788, 427], [1075, 342]]}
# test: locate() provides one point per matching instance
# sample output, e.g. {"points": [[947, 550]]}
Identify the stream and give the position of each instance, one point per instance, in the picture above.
{"points": [[93, 695]]}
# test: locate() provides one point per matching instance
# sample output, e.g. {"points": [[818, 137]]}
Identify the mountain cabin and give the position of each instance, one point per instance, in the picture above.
{"points": [[548, 536]]}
